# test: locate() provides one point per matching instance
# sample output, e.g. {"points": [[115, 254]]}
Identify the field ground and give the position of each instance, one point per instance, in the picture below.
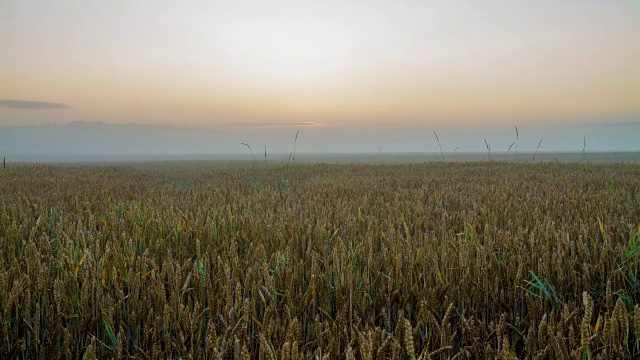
{"points": [[211, 260]]}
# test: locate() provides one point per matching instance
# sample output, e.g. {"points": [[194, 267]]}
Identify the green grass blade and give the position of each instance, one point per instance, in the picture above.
{"points": [[112, 336]]}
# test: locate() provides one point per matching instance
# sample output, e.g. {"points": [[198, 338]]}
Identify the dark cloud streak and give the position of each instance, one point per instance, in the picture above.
{"points": [[32, 105]]}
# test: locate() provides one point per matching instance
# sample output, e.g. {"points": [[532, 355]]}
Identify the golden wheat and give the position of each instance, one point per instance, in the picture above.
{"points": [[410, 261]]}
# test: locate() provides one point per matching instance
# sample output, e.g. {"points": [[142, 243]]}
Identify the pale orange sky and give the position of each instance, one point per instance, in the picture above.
{"points": [[337, 63]]}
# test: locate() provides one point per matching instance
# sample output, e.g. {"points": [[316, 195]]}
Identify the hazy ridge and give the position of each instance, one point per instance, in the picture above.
{"points": [[87, 141]]}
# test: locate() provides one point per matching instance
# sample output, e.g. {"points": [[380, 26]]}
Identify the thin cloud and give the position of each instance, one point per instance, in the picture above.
{"points": [[275, 124], [32, 105]]}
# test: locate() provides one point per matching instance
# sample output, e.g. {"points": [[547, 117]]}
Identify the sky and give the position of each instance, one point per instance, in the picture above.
{"points": [[353, 75]]}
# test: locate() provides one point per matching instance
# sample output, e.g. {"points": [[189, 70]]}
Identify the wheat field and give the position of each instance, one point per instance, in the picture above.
{"points": [[438, 260]]}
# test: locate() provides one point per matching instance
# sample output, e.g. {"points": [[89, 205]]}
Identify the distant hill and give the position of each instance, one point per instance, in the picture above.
{"points": [[97, 138]]}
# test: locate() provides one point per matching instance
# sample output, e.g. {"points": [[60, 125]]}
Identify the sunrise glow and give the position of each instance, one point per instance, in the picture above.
{"points": [[354, 66]]}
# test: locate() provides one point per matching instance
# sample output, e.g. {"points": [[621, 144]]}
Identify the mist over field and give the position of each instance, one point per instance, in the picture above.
{"points": [[84, 139]]}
